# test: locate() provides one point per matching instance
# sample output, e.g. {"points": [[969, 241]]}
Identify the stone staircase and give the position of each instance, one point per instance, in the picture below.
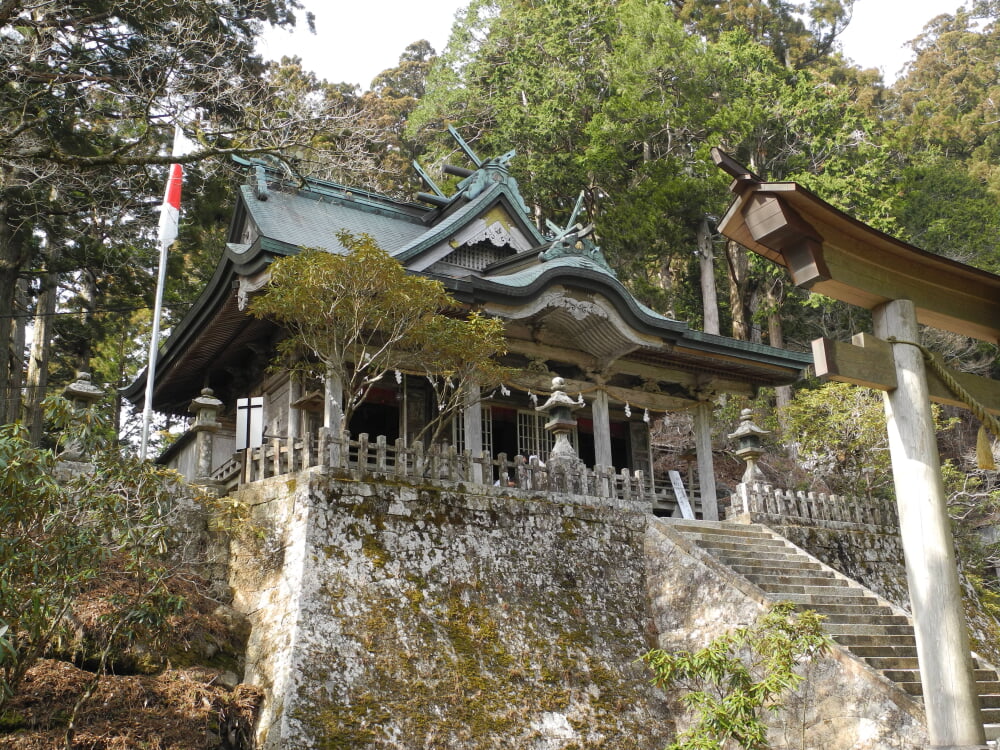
{"points": [[856, 618]]}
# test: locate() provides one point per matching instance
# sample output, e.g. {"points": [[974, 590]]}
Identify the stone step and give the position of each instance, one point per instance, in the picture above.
{"points": [[711, 535], [754, 563], [853, 616], [740, 543], [822, 594], [909, 681], [883, 663], [878, 614], [866, 626], [721, 527], [762, 562], [903, 676], [987, 684], [912, 687], [988, 700], [701, 528], [873, 640], [992, 732], [765, 579], [747, 546], [828, 605], [884, 651], [747, 550]]}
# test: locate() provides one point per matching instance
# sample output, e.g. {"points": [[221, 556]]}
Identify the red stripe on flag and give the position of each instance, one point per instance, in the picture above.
{"points": [[173, 195]]}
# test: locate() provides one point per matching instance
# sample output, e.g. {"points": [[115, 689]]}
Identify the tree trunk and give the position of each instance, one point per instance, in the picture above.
{"points": [[38, 359], [776, 337], [18, 345], [671, 268], [706, 268], [14, 253], [88, 296], [739, 272]]}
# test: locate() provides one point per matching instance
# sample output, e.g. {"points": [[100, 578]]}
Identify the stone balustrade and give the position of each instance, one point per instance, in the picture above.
{"points": [[812, 508], [438, 464]]}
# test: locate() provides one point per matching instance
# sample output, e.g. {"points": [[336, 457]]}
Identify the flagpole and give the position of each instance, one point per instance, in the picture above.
{"points": [[169, 216]]}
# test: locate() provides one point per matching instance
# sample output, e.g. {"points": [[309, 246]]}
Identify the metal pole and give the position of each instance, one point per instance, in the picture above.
{"points": [[169, 219], [154, 346]]}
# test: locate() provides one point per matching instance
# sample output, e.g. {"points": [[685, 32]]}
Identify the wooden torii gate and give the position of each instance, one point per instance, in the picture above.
{"points": [[828, 252]]}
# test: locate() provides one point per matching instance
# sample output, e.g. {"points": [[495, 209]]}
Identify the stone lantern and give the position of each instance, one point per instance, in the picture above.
{"points": [[748, 447], [83, 395], [559, 409], [206, 408]]}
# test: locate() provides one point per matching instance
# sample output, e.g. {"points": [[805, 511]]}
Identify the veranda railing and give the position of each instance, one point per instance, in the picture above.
{"points": [[438, 463]]}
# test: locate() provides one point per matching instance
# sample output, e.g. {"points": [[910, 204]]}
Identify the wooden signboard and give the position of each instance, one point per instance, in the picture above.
{"points": [[681, 494]]}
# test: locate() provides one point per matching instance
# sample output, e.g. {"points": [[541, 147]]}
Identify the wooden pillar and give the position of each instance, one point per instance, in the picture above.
{"points": [[706, 466], [602, 430], [472, 422], [294, 414], [950, 700], [333, 410]]}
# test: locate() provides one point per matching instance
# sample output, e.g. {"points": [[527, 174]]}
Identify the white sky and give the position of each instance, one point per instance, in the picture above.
{"points": [[355, 41]]}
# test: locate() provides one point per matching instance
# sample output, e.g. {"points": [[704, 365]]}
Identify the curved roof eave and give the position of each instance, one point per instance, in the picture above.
{"points": [[480, 289], [211, 298]]}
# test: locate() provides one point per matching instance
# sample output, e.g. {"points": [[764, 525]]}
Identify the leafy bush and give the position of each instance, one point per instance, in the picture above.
{"points": [[61, 537], [741, 674]]}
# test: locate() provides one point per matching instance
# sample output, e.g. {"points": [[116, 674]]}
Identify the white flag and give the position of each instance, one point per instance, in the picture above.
{"points": [[171, 210]]}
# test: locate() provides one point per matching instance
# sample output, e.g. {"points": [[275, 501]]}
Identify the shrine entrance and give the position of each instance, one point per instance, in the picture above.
{"points": [[828, 252]]}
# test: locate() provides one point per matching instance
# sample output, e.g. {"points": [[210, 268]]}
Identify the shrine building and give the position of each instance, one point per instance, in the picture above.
{"points": [[565, 312]]}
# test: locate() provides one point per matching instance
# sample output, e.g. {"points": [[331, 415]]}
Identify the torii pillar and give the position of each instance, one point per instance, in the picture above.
{"points": [[831, 253]]}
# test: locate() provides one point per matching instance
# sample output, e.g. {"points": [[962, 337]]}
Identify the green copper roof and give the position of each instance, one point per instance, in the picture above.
{"points": [[527, 276], [310, 220]]}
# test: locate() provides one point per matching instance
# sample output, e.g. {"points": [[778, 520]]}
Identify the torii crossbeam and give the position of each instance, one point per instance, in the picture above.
{"points": [[831, 253]]}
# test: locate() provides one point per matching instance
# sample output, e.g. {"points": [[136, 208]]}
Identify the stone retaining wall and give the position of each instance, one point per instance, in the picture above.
{"points": [[393, 616]]}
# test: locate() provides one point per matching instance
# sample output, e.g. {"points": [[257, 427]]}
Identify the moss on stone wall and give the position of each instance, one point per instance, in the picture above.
{"points": [[437, 619]]}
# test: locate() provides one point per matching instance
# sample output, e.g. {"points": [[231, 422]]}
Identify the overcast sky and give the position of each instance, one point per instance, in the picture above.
{"points": [[355, 41]]}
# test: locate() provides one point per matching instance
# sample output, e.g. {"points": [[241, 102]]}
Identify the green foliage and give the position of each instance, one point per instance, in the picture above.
{"points": [[739, 676], [361, 315], [394, 95], [796, 34], [942, 208], [948, 97], [527, 75], [626, 105], [840, 434], [59, 539], [454, 353]]}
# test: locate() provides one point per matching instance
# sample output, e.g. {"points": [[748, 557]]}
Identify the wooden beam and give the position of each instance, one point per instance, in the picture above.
{"points": [[626, 366], [869, 362], [542, 383], [846, 363], [833, 254]]}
